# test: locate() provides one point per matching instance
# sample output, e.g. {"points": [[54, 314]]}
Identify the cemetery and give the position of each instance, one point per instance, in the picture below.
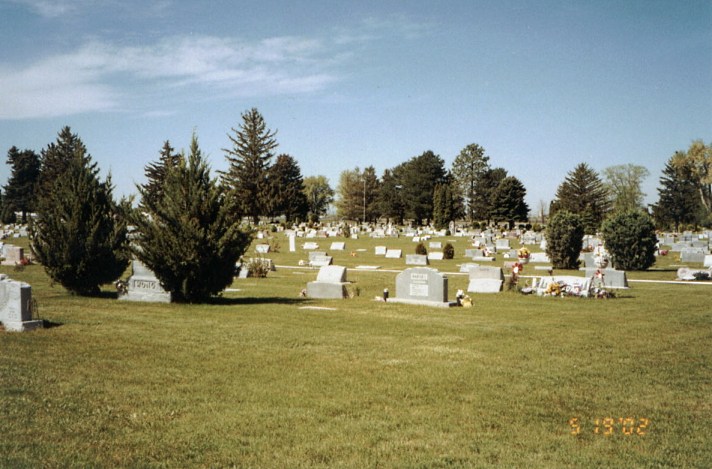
{"points": [[375, 343]]}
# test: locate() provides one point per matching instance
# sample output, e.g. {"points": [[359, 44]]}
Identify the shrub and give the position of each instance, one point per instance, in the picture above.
{"points": [[448, 251], [564, 239], [630, 240], [190, 236], [78, 235], [420, 249]]}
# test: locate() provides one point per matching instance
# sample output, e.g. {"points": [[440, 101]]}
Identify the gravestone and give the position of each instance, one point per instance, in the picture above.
{"points": [[485, 280], [310, 246], [330, 283], [320, 261], [380, 250], [262, 248], [421, 286], [539, 257], [708, 261], [144, 286], [612, 278], [16, 306], [314, 254], [465, 268], [502, 244], [435, 245], [416, 259], [393, 254], [471, 252], [13, 254], [292, 242], [338, 246], [694, 255], [436, 256]]}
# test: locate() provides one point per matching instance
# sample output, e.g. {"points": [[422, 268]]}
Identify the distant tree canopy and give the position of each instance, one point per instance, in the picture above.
{"points": [[358, 194], [21, 187], [419, 177], [508, 202], [468, 171], [286, 195], [623, 183], [584, 194], [319, 196], [697, 163]]}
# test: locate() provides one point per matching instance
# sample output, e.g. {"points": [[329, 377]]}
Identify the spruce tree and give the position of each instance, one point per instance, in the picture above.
{"points": [[78, 235], [468, 168], [156, 171], [189, 236], [678, 199], [21, 187], [249, 161], [508, 202], [583, 193], [287, 189]]}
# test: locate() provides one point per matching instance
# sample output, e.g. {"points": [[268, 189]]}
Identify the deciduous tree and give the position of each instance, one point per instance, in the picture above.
{"points": [[468, 170], [319, 196], [623, 183]]}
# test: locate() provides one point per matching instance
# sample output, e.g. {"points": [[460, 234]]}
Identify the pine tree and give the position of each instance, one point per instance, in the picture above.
{"points": [[21, 187], [189, 236], [78, 235], [56, 157], [250, 159], [287, 189], [678, 201], [583, 193], [483, 203], [156, 172], [419, 177], [467, 169], [508, 202]]}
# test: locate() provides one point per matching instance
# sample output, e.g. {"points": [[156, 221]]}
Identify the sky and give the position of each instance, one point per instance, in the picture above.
{"points": [[542, 86]]}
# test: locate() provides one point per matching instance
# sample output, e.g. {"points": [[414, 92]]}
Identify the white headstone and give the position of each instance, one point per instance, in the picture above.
{"points": [[292, 243], [16, 306], [393, 254], [380, 250]]}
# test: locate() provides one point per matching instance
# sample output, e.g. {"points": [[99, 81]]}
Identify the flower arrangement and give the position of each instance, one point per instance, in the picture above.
{"points": [[523, 253], [554, 289]]}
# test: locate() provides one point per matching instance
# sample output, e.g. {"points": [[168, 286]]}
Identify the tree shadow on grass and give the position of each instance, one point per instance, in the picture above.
{"points": [[47, 324], [258, 301]]}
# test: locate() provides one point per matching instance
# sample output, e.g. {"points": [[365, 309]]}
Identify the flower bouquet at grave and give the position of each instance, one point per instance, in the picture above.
{"points": [[523, 254]]}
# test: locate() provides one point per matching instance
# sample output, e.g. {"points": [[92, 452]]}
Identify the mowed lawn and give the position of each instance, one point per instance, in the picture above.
{"points": [[260, 378]]}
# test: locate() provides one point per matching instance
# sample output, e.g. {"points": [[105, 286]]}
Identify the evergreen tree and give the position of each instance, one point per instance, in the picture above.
{"points": [[468, 170], [390, 202], [698, 160], [420, 175], [564, 239], [483, 204], [156, 171], [630, 239], [287, 189], [189, 236], [319, 196], [21, 187], [57, 156], [583, 193], [678, 199], [508, 202], [250, 159], [78, 235], [447, 205]]}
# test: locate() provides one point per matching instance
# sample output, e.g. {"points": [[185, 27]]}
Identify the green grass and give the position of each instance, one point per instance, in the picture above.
{"points": [[254, 380]]}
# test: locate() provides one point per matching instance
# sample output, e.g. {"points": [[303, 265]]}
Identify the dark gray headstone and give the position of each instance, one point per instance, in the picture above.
{"points": [[422, 285], [144, 286]]}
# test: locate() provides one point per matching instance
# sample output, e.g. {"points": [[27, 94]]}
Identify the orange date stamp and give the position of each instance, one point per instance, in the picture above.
{"points": [[608, 426]]}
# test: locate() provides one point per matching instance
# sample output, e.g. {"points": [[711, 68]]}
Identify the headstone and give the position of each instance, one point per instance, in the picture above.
{"points": [[309, 246], [330, 283], [338, 246], [16, 305], [612, 278], [416, 259], [693, 255], [380, 250], [539, 257], [393, 254], [435, 245], [708, 261], [13, 254], [144, 286], [502, 244], [436, 256], [314, 254], [567, 285], [485, 280], [421, 286], [321, 261], [465, 268], [292, 243], [262, 248]]}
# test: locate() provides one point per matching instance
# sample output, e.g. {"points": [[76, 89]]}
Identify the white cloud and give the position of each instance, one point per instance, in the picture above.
{"points": [[102, 77]]}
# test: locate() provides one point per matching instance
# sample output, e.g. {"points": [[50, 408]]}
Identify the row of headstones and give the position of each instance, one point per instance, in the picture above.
{"points": [[14, 231], [424, 285]]}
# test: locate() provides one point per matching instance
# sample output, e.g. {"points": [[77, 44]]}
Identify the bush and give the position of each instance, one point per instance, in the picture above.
{"points": [[78, 234], [630, 239], [564, 240], [189, 237], [420, 249], [448, 251]]}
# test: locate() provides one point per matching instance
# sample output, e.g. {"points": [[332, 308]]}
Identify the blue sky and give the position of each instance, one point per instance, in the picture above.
{"points": [[542, 86]]}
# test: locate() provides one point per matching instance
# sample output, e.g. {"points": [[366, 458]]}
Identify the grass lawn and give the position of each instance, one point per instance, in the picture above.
{"points": [[257, 380]]}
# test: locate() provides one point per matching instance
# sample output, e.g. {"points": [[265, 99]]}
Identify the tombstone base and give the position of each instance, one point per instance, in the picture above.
{"points": [[432, 304], [20, 326], [327, 291]]}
